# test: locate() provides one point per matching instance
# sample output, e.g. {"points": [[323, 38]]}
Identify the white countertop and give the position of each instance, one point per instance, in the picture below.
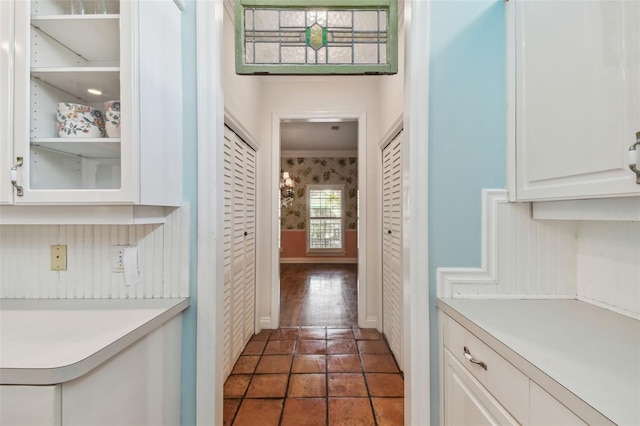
{"points": [[54, 341], [563, 345]]}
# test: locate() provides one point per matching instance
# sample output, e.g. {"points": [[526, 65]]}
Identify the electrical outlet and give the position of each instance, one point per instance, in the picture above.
{"points": [[59, 258], [117, 258]]}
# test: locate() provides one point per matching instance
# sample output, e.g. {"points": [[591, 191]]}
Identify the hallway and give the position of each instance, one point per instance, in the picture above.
{"points": [[317, 294], [316, 375]]}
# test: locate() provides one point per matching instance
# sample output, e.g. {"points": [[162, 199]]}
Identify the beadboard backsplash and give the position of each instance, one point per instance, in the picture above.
{"points": [[25, 270], [594, 261], [521, 257], [609, 265]]}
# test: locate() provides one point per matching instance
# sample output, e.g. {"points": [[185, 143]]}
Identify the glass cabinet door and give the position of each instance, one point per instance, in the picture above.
{"points": [[68, 101]]}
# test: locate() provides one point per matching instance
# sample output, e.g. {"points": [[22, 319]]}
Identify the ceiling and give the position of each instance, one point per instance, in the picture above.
{"points": [[304, 135]]}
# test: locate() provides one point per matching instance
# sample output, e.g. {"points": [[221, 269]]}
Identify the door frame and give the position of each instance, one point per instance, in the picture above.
{"points": [[276, 120], [210, 280]]}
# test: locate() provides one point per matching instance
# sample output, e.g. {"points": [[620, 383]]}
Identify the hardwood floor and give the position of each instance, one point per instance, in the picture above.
{"points": [[318, 295]]}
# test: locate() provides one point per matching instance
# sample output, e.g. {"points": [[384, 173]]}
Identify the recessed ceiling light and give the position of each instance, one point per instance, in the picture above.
{"points": [[94, 91]]}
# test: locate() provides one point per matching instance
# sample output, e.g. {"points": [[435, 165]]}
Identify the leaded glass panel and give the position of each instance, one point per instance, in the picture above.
{"points": [[287, 39]]}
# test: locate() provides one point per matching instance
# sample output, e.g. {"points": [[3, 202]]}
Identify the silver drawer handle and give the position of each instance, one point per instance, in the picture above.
{"points": [[467, 355]]}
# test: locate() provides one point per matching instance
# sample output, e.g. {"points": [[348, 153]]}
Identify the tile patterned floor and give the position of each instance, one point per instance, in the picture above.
{"points": [[315, 376]]}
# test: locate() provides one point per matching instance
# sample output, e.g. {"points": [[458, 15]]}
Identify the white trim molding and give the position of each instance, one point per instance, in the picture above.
{"points": [[521, 257], [392, 132], [511, 100], [486, 273], [276, 119], [239, 129], [210, 277], [415, 222], [353, 260], [617, 209], [320, 154]]}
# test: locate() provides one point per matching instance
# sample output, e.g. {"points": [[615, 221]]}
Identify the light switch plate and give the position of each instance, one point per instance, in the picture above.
{"points": [[59, 258]]}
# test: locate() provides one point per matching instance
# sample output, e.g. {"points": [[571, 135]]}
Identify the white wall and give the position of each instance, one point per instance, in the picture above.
{"points": [[25, 269], [391, 90], [241, 92], [295, 94], [609, 265]]}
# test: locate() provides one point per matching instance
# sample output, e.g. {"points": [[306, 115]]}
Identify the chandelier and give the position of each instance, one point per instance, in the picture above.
{"points": [[286, 190]]}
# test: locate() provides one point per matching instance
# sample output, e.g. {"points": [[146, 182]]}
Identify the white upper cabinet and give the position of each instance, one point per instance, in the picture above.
{"points": [[6, 99], [576, 90], [127, 52]]}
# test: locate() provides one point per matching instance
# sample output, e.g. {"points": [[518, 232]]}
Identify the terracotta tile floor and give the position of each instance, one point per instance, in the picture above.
{"points": [[315, 376]]}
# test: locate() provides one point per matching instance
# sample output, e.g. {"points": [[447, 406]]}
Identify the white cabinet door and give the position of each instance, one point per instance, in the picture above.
{"points": [[239, 247], [392, 292], [577, 95], [129, 56], [466, 401], [6, 100]]}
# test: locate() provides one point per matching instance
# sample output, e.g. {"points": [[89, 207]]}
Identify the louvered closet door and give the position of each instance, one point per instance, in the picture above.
{"points": [[392, 298], [237, 253], [249, 243], [228, 194], [239, 247]]}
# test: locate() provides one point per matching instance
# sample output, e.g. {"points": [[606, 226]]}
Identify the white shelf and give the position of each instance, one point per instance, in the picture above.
{"points": [[83, 215], [94, 37], [82, 147], [76, 81], [618, 209]]}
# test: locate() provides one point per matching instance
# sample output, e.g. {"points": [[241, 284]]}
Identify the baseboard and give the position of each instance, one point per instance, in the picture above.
{"points": [[265, 323], [318, 260], [370, 322]]}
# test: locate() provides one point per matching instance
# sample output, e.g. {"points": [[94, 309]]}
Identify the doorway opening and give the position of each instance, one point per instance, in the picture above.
{"points": [[319, 223], [324, 155]]}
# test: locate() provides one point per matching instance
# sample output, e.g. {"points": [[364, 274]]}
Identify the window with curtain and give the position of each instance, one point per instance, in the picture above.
{"points": [[325, 218]]}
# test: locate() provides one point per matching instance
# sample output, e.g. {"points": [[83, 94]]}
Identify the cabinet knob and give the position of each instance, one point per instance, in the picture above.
{"points": [[389, 231], [246, 233], [467, 355]]}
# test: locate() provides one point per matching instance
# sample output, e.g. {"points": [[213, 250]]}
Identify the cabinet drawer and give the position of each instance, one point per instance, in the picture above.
{"points": [[505, 382], [30, 405], [466, 401], [546, 410]]}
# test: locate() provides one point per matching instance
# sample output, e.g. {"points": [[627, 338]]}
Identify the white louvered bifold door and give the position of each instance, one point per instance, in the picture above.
{"points": [[239, 247], [249, 243], [392, 297], [237, 253], [228, 193]]}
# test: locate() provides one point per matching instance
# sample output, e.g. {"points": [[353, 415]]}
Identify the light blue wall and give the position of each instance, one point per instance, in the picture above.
{"points": [[467, 127], [190, 153]]}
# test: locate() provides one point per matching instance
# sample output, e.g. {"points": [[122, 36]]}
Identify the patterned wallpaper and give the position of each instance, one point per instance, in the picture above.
{"points": [[314, 170]]}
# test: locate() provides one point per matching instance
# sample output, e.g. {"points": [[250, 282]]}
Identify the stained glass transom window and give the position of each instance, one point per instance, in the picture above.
{"points": [[304, 39]]}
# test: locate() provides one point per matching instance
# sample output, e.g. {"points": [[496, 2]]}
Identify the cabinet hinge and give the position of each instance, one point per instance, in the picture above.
{"points": [[634, 158], [14, 177]]}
